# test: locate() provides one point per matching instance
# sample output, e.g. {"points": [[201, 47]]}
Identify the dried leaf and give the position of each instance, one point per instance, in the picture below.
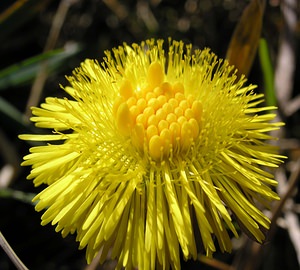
{"points": [[244, 42]]}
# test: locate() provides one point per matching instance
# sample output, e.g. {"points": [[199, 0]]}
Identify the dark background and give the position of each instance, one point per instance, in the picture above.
{"points": [[91, 27]]}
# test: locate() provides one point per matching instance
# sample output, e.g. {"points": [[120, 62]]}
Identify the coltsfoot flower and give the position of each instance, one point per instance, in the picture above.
{"points": [[153, 148]]}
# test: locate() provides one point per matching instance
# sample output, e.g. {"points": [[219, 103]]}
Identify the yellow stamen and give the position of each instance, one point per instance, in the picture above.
{"points": [[159, 118]]}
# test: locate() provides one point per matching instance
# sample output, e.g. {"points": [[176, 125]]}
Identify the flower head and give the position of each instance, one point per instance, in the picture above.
{"points": [[153, 148]]}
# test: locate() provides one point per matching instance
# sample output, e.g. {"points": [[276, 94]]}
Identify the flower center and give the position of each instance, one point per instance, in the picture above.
{"points": [[159, 118]]}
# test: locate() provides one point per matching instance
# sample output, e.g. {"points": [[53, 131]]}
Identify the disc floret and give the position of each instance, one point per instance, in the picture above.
{"points": [[160, 118]]}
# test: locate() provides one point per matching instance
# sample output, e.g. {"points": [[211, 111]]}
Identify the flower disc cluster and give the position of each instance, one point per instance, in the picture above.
{"points": [[152, 148]]}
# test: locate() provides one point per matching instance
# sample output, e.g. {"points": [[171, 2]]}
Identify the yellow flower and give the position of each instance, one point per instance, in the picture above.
{"points": [[153, 148]]}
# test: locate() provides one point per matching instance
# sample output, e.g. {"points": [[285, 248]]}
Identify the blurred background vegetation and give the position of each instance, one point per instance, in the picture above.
{"points": [[42, 41]]}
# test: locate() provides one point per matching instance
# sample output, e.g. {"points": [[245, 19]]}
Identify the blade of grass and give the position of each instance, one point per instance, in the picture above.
{"points": [[11, 116], [11, 254], [17, 195], [24, 72], [268, 73]]}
